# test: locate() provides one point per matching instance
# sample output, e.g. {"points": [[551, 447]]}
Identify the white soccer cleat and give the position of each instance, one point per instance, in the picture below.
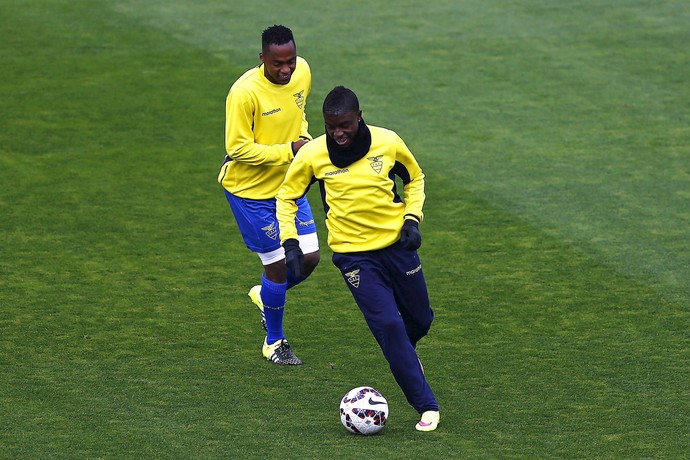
{"points": [[429, 421]]}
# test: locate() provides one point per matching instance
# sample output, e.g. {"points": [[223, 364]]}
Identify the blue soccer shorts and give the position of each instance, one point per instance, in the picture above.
{"points": [[258, 224]]}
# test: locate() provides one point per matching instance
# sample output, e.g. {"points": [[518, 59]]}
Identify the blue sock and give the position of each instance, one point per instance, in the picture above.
{"points": [[273, 298]]}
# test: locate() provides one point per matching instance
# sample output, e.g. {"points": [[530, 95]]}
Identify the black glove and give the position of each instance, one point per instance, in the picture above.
{"points": [[410, 238], [294, 258]]}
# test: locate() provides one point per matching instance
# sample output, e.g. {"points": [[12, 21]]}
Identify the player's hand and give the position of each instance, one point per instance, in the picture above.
{"points": [[298, 145], [410, 238], [294, 258]]}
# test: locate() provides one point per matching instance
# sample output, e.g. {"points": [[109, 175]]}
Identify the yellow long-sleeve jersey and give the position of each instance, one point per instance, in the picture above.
{"points": [[261, 120], [363, 210]]}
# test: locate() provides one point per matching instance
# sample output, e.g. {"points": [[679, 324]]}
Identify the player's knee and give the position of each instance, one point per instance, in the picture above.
{"points": [[392, 326], [311, 260], [425, 324], [417, 333], [276, 272]]}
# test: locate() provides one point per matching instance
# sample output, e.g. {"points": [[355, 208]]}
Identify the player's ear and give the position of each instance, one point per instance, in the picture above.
{"points": [[261, 57]]}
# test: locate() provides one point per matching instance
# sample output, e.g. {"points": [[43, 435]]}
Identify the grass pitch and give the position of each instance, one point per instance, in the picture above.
{"points": [[554, 138]]}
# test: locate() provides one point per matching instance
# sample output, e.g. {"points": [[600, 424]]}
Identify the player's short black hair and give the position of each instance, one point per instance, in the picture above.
{"points": [[340, 100], [276, 35]]}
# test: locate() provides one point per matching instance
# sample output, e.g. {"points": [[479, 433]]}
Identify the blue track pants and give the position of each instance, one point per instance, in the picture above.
{"points": [[390, 290]]}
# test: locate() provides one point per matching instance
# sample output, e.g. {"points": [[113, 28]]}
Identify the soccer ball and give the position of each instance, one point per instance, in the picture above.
{"points": [[363, 410]]}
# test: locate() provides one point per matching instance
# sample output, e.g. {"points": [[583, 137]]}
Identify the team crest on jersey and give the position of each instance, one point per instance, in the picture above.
{"points": [[299, 99], [353, 278], [271, 231], [376, 163]]}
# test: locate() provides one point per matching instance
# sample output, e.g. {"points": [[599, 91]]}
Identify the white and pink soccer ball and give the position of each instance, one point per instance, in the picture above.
{"points": [[363, 410]]}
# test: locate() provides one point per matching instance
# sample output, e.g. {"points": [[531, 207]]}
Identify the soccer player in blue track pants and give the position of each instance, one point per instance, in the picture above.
{"points": [[391, 292], [373, 232]]}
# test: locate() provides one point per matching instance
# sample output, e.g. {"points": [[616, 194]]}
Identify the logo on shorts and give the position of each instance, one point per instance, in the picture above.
{"points": [[376, 163], [271, 231], [299, 99], [353, 278], [304, 223]]}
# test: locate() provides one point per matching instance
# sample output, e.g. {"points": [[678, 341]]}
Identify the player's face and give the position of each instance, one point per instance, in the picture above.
{"points": [[279, 62], [343, 128]]}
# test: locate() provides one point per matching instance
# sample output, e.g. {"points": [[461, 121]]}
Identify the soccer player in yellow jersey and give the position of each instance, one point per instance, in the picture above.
{"points": [[373, 232], [265, 127]]}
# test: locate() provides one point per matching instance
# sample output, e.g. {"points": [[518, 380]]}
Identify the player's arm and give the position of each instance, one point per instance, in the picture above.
{"points": [[304, 128], [297, 180], [412, 176], [239, 136]]}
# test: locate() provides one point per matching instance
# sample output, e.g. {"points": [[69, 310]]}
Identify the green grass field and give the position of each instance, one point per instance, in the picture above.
{"points": [[555, 139]]}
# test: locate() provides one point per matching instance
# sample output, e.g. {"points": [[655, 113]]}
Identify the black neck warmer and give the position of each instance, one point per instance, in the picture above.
{"points": [[343, 157]]}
